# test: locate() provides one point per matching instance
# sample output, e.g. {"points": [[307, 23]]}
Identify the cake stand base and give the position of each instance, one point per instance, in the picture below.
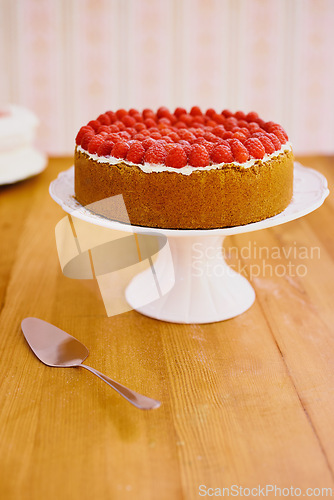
{"points": [[198, 285], [205, 288]]}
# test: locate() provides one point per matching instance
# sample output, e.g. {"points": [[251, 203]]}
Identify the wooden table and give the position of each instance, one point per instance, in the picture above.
{"points": [[246, 402]]}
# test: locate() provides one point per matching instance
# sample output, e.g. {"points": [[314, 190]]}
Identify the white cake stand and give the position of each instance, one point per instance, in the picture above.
{"points": [[198, 295]]}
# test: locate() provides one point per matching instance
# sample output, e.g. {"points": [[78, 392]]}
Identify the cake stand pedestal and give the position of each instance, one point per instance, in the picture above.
{"points": [[202, 287]]}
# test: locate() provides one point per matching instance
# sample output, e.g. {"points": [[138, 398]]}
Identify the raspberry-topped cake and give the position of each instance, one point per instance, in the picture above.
{"points": [[185, 170]]}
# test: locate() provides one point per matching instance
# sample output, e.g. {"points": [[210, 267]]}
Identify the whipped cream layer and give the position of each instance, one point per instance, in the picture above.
{"points": [[149, 168]]}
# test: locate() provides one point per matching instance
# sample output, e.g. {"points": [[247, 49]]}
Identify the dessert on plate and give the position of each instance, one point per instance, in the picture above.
{"points": [[18, 156], [186, 169]]}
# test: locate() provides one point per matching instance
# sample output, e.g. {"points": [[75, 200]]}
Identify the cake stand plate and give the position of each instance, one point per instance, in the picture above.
{"points": [[205, 288]]}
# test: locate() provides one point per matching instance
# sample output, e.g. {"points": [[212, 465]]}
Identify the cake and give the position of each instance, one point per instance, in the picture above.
{"points": [[185, 170], [18, 156]]}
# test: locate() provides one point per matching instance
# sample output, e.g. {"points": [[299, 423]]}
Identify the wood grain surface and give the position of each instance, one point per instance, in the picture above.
{"points": [[246, 402]]}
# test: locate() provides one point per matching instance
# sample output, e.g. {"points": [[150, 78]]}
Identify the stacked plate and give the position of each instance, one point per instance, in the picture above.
{"points": [[19, 159]]}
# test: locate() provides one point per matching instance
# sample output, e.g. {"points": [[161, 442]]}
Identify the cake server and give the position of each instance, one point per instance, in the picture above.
{"points": [[56, 348]]}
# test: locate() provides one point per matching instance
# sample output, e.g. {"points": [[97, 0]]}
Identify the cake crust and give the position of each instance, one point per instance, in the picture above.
{"points": [[230, 195]]}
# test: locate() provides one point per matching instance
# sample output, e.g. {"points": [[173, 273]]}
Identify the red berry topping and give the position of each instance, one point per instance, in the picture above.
{"points": [[163, 112], [196, 111], [104, 119], [176, 157], [95, 143], [112, 116], [239, 135], [105, 148], [87, 138], [222, 154], [128, 121], [267, 143], [240, 115], [136, 152], [255, 147], [280, 133], [120, 149], [240, 152], [198, 156], [252, 116], [148, 142], [120, 113], [94, 124], [156, 154], [275, 140], [81, 134], [180, 111]]}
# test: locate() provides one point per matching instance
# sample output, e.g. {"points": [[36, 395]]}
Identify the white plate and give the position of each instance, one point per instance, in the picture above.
{"points": [[19, 168]]}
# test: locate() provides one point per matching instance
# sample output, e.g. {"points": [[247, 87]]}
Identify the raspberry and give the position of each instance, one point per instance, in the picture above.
{"points": [[209, 146], [120, 113], [198, 156], [104, 128], [245, 131], [94, 124], [120, 149], [255, 147], [267, 143], [147, 143], [180, 124], [196, 111], [209, 136], [168, 139], [133, 112], [139, 127], [252, 116], [227, 113], [87, 138], [254, 127], [230, 123], [131, 131], [227, 135], [177, 157], [136, 152], [81, 134], [149, 122], [240, 115], [239, 135], [163, 112], [187, 119], [240, 152], [180, 111], [210, 113], [211, 123], [138, 137], [274, 139], [112, 116], [128, 120], [124, 135], [156, 135], [174, 136], [219, 130], [113, 128], [155, 154], [104, 119], [120, 125], [280, 133], [222, 154], [186, 146], [138, 117], [186, 135], [198, 132], [148, 113], [95, 143], [105, 148]]}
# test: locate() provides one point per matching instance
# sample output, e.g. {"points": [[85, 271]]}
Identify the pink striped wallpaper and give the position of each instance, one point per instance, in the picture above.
{"points": [[70, 60]]}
